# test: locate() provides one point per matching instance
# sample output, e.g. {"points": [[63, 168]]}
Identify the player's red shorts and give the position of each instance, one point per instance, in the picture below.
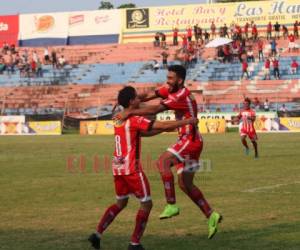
{"points": [[136, 184], [188, 152], [252, 135]]}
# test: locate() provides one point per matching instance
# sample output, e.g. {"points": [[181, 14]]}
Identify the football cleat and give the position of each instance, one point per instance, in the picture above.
{"points": [[135, 247], [213, 221], [170, 211], [94, 239]]}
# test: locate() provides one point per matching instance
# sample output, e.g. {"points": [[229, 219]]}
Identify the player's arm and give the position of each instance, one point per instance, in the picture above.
{"points": [[145, 97], [147, 110], [171, 125]]}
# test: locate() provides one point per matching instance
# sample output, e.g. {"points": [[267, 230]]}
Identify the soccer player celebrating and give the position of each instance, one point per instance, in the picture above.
{"points": [[247, 118], [129, 177], [185, 153]]}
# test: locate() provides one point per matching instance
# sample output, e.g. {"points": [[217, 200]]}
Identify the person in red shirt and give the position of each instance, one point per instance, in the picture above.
{"points": [[296, 34], [246, 30], [185, 153], [260, 45], [184, 42], [213, 30], [175, 36], [294, 67], [276, 68], [247, 118], [129, 177], [267, 69], [245, 69], [269, 31], [292, 44], [254, 32], [189, 33]]}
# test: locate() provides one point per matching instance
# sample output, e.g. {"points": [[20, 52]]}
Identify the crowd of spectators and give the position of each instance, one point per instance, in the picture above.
{"points": [[27, 63]]}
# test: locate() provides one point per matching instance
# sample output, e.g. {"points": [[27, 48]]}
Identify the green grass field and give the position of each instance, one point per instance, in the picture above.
{"points": [[46, 207]]}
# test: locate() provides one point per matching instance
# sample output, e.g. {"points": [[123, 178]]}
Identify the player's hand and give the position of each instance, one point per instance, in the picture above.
{"points": [[193, 121], [121, 116]]}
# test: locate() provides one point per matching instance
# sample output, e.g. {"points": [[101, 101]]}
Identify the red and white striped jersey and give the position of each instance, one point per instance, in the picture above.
{"points": [[246, 122], [127, 152], [185, 106]]}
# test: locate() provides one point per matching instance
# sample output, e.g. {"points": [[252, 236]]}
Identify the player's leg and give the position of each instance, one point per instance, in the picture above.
{"points": [[244, 142], [164, 164], [139, 185], [253, 138], [122, 193]]}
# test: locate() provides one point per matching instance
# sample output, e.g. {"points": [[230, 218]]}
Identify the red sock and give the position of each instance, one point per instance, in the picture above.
{"points": [[108, 217], [168, 181], [140, 225], [198, 198]]}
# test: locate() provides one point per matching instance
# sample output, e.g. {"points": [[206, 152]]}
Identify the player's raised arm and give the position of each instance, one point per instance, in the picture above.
{"points": [[147, 110], [145, 97]]}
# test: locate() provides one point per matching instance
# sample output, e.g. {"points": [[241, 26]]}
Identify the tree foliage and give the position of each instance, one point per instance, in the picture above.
{"points": [[105, 5], [127, 6]]}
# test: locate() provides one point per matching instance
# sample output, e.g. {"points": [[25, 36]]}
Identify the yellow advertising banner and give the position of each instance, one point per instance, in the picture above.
{"points": [[96, 128], [212, 126], [141, 24], [291, 124], [44, 128]]}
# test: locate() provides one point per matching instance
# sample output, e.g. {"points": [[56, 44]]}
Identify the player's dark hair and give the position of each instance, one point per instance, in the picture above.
{"points": [[125, 95], [179, 70], [247, 99]]}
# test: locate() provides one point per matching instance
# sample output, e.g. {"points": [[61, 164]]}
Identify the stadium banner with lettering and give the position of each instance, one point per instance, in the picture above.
{"points": [[9, 29], [92, 27], [212, 126], [290, 124], [141, 24], [43, 29], [97, 127], [169, 115], [44, 128]]}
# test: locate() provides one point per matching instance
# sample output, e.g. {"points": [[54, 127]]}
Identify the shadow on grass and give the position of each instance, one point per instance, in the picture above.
{"points": [[279, 236]]}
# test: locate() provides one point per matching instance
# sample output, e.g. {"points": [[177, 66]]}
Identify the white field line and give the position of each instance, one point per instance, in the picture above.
{"points": [[257, 189]]}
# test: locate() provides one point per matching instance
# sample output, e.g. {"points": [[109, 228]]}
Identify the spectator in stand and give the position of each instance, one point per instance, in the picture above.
{"points": [[156, 42], [250, 55], [227, 53], [206, 36], [260, 45], [283, 108], [199, 34], [285, 32], [256, 103], [54, 58], [276, 68], [165, 56], [292, 44], [269, 31], [296, 34], [46, 56], [156, 66], [163, 43], [5, 47], [196, 32], [2, 66], [238, 32], [225, 31], [220, 54], [245, 70], [39, 69], [186, 60], [33, 67], [34, 56], [189, 33], [277, 30], [184, 42], [254, 32], [213, 29], [246, 30], [232, 29], [267, 105], [294, 67], [273, 47], [61, 61], [175, 36], [267, 69], [8, 60]]}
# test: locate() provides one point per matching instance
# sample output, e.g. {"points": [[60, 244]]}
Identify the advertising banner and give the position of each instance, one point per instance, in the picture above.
{"points": [[96, 128], [264, 124], [90, 27], [212, 126], [9, 29], [142, 23], [44, 29], [45, 128], [290, 124]]}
